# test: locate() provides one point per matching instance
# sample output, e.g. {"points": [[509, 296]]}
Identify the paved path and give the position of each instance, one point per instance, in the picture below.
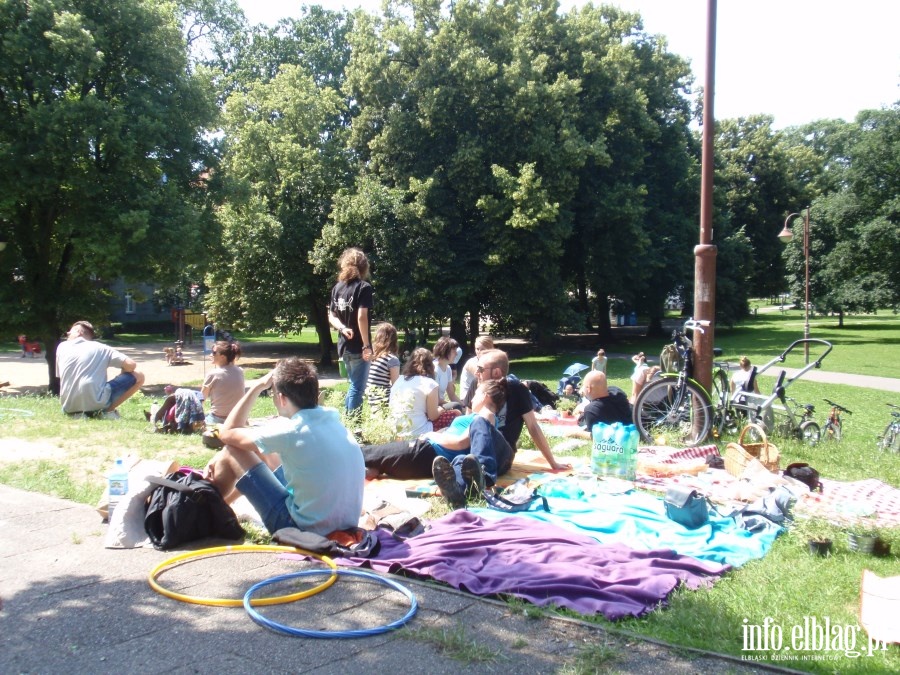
{"points": [[67, 604], [28, 374], [828, 377]]}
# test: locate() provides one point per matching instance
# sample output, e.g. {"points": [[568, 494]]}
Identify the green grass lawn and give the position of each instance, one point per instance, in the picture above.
{"points": [[787, 585]]}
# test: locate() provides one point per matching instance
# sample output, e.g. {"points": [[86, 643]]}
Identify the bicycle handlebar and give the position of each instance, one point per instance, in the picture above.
{"points": [[696, 325], [838, 406]]}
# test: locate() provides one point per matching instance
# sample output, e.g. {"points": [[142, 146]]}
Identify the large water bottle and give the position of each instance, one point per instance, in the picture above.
{"points": [[118, 485]]}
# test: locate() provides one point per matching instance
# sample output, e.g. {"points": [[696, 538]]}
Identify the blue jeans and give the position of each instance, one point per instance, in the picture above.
{"points": [[265, 490], [357, 374], [491, 450]]}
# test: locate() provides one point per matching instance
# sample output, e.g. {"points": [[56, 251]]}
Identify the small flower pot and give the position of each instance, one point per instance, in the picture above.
{"points": [[861, 543], [820, 548]]}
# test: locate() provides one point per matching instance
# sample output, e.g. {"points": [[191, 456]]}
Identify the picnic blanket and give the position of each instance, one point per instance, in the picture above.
{"points": [[541, 563], [638, 520]]}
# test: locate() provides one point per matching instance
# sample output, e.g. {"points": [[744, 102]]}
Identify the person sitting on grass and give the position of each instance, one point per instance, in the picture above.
{"points": [[444, 352], [467, 377], [384, 368], [519, 409], [414, 396], [605, 404], [303, 469], [224, 384], [81, 365]]}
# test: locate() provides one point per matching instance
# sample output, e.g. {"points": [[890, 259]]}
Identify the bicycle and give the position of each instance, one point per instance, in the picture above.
{"points": [[798, 421], [890, 440], [833, 429], [675, 406]]}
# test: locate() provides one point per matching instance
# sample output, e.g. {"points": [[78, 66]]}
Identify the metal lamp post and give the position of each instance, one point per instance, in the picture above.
{"points": [[785, 236]]}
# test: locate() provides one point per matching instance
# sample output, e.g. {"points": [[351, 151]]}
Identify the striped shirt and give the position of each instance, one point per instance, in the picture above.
{"points": [[378, 386]]}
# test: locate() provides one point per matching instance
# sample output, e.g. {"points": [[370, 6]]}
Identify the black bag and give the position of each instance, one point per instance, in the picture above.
{"points": [[186, 507], [517, 497], [686, 507], [805, 474]]}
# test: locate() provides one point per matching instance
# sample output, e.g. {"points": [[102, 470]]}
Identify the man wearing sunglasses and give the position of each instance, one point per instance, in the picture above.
{"points": [[493, 364]]}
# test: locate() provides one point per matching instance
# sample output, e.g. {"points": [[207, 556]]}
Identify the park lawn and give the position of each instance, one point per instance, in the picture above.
{"points": [[788, 584]]}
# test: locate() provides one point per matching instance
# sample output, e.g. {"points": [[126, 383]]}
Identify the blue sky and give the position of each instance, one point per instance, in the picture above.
{"points": [[797, 60]]}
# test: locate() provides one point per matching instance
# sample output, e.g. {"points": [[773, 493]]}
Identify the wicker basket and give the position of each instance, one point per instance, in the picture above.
{"points": [[738, 455]]}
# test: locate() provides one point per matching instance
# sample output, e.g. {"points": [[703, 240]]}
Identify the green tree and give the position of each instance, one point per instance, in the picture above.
{"points": [[855, 233], [101, 150], [284, 159], [764, 177], [492, 158]]}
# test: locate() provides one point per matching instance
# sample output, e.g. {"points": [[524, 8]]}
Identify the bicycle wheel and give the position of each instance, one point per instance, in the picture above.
{"points": [[719, 402], [891, 438], [831, 431], [669, 414], [809, 433]]}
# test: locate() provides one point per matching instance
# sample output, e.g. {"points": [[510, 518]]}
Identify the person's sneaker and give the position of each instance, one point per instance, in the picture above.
{"points": [[445, 477], [473, 474], [110, 415]]}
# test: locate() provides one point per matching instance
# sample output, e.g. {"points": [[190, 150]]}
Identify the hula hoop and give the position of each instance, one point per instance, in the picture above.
{"points": [[304, 632], [19, 412], [237, 602]]}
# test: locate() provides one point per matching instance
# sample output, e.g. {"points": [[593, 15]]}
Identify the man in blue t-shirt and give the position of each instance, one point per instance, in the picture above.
{"points": [[303, 469]]}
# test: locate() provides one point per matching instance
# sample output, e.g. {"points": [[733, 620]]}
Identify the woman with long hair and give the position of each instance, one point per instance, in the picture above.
{"points": [[352, 299], [224, 385], [384, 368], [414, 396]]}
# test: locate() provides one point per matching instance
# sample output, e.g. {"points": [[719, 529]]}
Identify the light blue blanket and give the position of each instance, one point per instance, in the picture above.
{"points": [[639, 521]]}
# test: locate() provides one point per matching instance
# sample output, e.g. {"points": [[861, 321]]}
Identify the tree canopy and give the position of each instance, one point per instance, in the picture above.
{"points": [[100, 145]]}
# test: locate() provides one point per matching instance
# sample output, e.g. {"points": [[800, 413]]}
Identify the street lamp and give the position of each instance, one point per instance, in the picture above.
{"points": [[785, 236]]}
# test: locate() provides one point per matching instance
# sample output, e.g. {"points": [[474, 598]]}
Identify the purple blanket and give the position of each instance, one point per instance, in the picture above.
{"points": [[541, 563]]}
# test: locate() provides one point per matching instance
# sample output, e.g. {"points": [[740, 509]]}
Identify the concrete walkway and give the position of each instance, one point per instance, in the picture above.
{"points": [[67, 604]]}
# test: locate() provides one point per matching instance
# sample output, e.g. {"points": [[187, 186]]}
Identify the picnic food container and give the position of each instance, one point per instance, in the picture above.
{"points": [[738, 455]]}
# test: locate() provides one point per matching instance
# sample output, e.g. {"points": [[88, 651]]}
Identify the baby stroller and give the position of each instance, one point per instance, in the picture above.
{"points": [[571, 376]]}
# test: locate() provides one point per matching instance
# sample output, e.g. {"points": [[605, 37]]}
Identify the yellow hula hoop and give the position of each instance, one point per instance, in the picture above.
{"points": [[239, 602]]}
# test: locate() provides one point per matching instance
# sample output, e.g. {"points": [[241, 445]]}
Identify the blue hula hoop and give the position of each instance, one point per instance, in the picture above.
{"points": [[304, 632]]}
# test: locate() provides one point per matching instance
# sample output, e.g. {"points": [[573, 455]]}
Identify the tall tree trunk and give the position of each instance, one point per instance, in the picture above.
{"points": [[840, 318], [655, 327], [458, 332], [604, 329], [319, 314]]}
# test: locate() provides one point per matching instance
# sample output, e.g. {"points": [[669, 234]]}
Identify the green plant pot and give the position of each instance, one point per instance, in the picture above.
{"points": [[820, 548], [861, 543]]}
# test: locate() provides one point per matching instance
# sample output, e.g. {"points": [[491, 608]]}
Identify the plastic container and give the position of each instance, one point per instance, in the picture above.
{"points": [[118, 485]]}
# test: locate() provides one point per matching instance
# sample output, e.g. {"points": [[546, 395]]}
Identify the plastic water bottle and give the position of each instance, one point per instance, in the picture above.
{"points": [[118, 485]]}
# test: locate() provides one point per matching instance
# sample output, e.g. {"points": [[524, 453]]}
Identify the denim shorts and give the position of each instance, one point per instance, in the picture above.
{"points": [[119, 385], [265, 489]]}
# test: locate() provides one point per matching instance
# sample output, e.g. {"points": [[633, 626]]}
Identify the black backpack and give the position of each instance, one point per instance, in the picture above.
{"points": [[186, 507], [542, 393]]}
